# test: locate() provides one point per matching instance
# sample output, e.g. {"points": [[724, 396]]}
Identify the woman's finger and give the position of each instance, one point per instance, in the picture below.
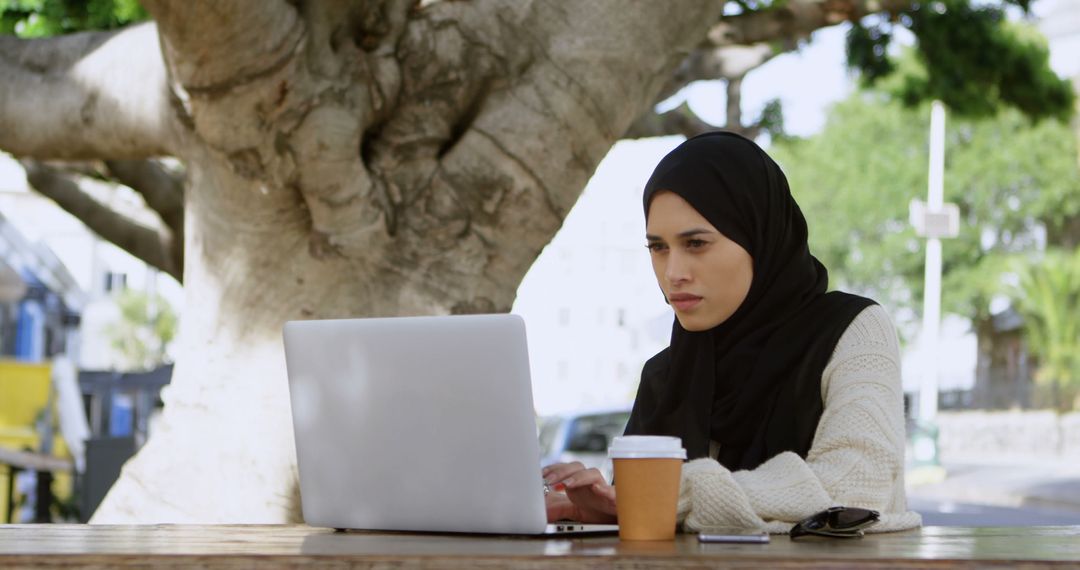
{"points": [[604, 490], [595, 502], [559, 507], [584, 479], [560, 471], [559, 467]]}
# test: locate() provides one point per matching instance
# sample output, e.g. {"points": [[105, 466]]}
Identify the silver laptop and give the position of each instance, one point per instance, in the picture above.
{"points": [[417, 424]]}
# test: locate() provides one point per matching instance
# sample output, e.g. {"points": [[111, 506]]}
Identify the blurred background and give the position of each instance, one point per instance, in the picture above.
{"points": [[87, 329]]}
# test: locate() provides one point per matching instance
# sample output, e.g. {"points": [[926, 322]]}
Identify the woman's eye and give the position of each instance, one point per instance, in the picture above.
{"points": [[655, 246], [695, 243]]}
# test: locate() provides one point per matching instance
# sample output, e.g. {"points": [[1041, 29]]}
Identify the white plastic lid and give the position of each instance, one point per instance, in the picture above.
{"points": [[646, 447]]}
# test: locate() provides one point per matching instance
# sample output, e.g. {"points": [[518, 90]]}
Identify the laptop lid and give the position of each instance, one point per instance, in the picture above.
{"points": [[416, 423]]}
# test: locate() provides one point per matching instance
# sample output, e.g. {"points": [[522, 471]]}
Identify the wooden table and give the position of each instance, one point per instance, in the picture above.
{"points": [[180, 546]]}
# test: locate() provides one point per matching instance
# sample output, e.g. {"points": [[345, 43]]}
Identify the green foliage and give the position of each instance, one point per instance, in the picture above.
{"points": [[976, 62], [854, 185], [854, 181], [867, 51], [971, 57], [772, 119], [1024, 5], [38, 18], [144, 332], [1048, 296]]}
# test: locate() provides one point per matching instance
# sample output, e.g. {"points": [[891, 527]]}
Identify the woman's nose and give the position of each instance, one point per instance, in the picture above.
{"points": [[677, 269]]}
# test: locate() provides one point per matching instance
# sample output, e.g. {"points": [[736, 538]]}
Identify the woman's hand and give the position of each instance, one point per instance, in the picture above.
{"points": [[587, 498]]}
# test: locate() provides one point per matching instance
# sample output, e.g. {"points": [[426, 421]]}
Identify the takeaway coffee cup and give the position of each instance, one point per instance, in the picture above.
{"points": [[647, 473]]}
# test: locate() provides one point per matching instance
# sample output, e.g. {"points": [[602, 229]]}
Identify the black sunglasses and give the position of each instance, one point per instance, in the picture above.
{"points": [[838, 522]]}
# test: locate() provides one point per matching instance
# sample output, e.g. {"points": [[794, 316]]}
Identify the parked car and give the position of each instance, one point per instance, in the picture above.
{"points": [[581, 436]]}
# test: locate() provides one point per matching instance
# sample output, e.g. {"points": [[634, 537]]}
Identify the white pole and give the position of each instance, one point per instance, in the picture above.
{"points": [[936, 195], [928, 396]]}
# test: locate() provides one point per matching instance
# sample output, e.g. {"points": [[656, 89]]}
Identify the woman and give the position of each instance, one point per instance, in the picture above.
{"points": [[787, 398]]}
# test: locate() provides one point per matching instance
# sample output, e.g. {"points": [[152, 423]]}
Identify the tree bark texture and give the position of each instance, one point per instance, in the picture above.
{"points": [[343, 159]]}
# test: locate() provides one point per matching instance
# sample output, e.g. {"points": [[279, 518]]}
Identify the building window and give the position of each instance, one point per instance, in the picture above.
{"points": [[115, 281]]}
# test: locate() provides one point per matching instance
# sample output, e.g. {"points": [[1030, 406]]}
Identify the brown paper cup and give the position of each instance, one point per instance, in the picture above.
{"points": [[647, 497]]}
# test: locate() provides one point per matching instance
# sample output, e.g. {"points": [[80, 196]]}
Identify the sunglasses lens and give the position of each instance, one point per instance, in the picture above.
{"points": [[840, 522], [852, 517]]}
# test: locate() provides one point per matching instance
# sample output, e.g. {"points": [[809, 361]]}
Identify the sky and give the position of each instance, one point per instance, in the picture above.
{"points": [[806, 82]]}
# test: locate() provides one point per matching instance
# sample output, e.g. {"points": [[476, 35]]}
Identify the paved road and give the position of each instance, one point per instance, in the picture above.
{"points": [[945, 513], [1018, 493]]}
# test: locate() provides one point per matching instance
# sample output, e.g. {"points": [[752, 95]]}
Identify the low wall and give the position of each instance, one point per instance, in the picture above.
{"points": [[999, 436]]}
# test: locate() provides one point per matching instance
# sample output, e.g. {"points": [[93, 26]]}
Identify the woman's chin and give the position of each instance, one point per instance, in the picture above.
{"points": [[691, 324], [700, 323]]}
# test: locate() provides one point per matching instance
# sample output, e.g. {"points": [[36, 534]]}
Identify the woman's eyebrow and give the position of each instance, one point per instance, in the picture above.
{"points": [[694, 232], [688, 233]]}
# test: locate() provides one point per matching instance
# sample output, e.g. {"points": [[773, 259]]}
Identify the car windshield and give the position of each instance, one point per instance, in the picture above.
{"points": [[593, 433]]}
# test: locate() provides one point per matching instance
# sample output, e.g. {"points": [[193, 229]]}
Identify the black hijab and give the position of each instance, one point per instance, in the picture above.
{"points": [[752, 383]]}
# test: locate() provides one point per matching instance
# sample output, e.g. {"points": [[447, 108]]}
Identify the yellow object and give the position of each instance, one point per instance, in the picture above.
{"points": [[24, 393]]}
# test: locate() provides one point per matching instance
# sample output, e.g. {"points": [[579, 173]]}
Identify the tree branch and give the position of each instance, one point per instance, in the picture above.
{"points": [[214, 46], [162, 190], [731, 63], [749, 58], [796, 19], [741, 43], [85, 96], [709, 62], [153, 246], [734, 103], [678, 121]]}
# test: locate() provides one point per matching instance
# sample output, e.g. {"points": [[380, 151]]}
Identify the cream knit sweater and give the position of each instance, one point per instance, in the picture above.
{"points": [[857, 458]]}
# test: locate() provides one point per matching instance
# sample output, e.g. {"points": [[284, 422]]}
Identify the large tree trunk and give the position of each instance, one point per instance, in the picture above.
{"points": [[361, 162]]}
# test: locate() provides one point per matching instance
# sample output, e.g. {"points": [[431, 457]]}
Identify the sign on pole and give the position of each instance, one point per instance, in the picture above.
{"points": [[944, 223], [933, 220]]}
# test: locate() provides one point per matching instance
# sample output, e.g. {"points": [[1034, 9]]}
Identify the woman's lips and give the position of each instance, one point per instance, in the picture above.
{"points": [[684, 302]]}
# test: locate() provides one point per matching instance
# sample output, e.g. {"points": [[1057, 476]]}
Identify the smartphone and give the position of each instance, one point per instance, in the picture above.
{"points": [[734, 535]]}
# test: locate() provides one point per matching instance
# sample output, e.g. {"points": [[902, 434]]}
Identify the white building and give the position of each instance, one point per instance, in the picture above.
{"points": [[99, 268], [592, 308], [1059, 21]]}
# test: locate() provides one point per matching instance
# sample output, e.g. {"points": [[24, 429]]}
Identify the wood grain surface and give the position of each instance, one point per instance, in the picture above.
{"points": [[272, 546]]}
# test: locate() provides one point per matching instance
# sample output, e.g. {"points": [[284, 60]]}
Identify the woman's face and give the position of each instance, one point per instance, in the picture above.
{"points": [[704, 275]]}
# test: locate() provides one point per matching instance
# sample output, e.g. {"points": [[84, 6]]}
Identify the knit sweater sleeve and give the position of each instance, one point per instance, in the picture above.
{"points": [[857, 457]]}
